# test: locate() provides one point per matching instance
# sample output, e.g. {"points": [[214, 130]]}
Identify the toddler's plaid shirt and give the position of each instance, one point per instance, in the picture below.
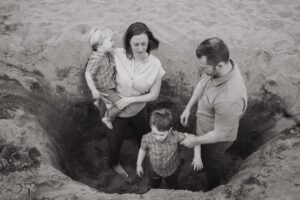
{"points": [[103, 70]]}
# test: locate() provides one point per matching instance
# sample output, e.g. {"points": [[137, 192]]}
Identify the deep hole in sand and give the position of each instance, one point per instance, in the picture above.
{"points": [[87, 162]]}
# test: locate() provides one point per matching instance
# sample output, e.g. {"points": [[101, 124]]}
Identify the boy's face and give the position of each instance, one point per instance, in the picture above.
{"points": [[108, 44], [159, 135]]}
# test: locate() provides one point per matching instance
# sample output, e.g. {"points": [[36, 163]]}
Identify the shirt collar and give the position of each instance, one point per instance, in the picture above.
{"points": [[220, 80]]}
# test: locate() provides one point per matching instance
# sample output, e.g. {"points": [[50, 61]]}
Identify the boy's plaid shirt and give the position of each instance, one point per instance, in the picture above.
{"points": [[163, 154]]}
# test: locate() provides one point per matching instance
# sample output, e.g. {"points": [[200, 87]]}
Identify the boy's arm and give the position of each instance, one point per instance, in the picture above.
{"points": [[140, 159], [186, 113], [141, 156], [197, 161]]}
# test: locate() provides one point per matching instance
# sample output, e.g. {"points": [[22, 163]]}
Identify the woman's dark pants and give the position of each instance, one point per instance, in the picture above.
{"points": [[138, 125]]}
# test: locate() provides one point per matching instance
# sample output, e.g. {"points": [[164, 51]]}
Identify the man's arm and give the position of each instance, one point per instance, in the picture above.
{"points": [[193, 100], [226, 124]]}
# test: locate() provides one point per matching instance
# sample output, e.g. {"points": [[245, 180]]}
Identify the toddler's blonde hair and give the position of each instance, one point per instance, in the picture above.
{"points": [[97, 36]]}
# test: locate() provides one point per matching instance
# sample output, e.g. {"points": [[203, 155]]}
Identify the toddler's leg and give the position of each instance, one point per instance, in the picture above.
{"points": [[112, 112], [172, 180], [107, 120], [155, 179]]}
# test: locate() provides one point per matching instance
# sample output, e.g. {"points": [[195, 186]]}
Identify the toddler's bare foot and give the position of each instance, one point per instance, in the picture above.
{"points": [[120, 170], [107, 122]]}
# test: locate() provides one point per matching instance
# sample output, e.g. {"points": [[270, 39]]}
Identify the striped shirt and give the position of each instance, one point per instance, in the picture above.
{"points": [[103, 70], [163, 154]]}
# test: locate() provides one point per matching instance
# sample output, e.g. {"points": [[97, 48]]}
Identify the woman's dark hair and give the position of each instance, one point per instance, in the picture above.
{"points": [[138, 28], [214, 49]]}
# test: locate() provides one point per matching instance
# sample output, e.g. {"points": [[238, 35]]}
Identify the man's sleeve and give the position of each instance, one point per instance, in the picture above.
{"points": [[227, 117]]}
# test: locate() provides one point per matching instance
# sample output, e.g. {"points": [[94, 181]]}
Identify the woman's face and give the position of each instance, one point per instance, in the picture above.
{"points": [[139, 45]]}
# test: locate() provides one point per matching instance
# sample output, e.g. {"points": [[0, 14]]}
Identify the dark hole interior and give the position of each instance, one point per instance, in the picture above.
{"points": [[88, 159]]}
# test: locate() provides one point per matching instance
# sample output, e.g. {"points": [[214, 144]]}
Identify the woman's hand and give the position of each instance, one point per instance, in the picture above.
{"points": [[124, 102]]}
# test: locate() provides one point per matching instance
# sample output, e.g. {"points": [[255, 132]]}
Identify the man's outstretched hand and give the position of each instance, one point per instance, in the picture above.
{"points": [[189, 141]]}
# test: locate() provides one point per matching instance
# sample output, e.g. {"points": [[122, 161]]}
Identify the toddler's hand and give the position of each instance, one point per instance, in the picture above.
{"points": [[197, 163], [139, 171], [99, 95]]}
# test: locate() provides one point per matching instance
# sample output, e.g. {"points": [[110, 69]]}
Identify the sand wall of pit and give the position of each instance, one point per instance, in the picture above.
{"points": [[44, 50]]}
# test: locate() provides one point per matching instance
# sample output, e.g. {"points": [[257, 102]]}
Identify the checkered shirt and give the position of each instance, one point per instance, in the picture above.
{"points": [[163, 154], [103, 70]]}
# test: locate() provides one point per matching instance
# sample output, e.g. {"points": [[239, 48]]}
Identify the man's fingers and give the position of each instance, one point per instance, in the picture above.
{"points": [[184, 121]]}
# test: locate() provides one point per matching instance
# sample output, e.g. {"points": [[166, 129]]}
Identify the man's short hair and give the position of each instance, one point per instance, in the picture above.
{"points": [[214, 49], [162, 119]]}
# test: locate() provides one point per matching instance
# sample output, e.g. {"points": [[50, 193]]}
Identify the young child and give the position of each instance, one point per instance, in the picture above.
{"points": [[101, 71], [161, 144]]}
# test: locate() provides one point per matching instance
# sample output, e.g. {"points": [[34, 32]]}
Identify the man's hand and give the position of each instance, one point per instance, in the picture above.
{"points": [[139, 170], [197, 163], [124, 102], [184, 117], [189, 141]]}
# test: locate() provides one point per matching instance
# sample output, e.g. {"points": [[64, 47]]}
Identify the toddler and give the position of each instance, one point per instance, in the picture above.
{"points": [[101, 71], [161, 144]]}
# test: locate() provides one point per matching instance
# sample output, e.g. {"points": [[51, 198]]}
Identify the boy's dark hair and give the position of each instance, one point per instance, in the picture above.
{"points": [[162, 119], [214, 49], [138, 28]]}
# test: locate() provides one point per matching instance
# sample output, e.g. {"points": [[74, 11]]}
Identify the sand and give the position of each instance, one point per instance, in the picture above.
{"points": [[44, 50]]}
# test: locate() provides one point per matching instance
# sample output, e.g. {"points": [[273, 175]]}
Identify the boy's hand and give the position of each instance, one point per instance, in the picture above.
{"points": [[184, 117], [98, 95], [197, 163], [139, 170]]}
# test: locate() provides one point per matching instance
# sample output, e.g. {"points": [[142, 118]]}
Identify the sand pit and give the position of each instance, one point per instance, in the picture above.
{"points": [[48, 124]]}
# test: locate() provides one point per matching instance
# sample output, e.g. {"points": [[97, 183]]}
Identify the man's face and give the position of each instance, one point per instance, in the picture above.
{"points": [[208, 69]]}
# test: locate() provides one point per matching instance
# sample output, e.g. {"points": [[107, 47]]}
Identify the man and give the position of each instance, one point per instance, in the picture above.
{"points": [[222, 99]]}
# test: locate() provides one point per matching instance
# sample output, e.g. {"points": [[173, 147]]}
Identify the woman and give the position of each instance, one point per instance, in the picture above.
{"points": [[138, 79]]}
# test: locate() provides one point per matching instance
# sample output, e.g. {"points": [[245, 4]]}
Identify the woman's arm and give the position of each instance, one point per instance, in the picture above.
{"points": [[151, 96]]}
